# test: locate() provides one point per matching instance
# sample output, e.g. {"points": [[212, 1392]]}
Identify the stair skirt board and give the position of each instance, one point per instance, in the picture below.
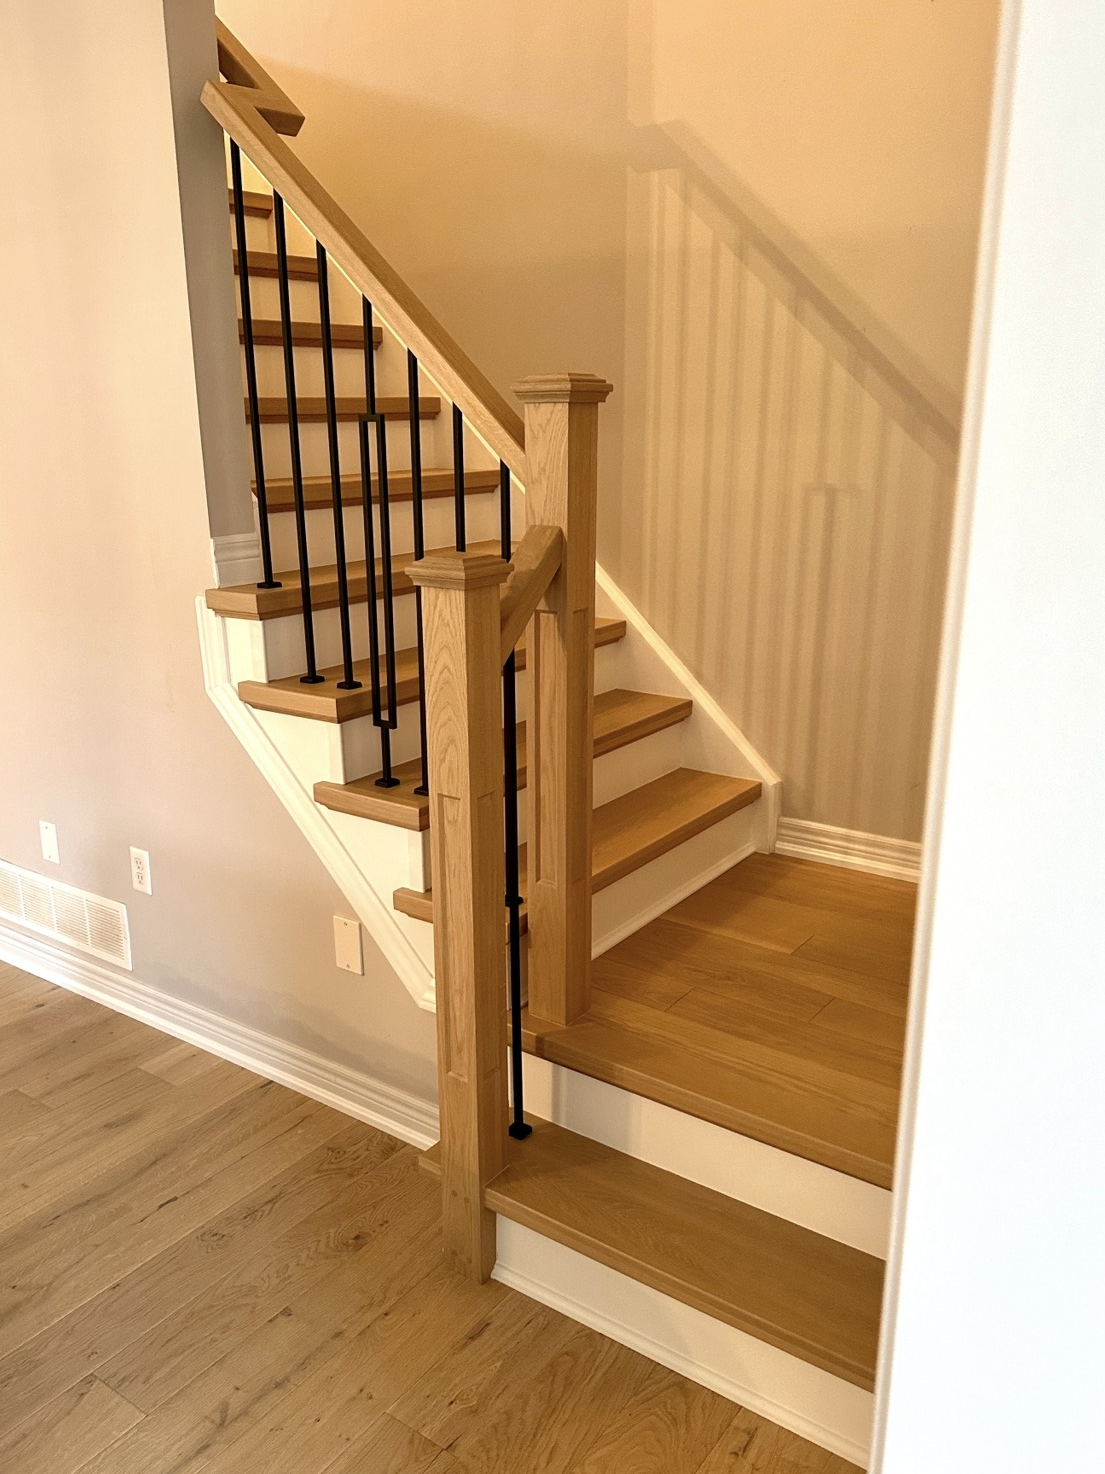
{"points": [[851, 848], [812, 1403], [828, 1202]]}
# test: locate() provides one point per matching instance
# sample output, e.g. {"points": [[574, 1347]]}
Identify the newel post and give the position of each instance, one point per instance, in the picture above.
{"points": [[561, 415], [460, 610]]}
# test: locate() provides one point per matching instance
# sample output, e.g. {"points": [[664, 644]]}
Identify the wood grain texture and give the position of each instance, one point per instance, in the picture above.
{"points": [[326, 703], [318, 491], [264, 263], [272, 410], [808, 1295], [536, 560], [266, 1279], [620, 717], [268, 332], [246, 76]]}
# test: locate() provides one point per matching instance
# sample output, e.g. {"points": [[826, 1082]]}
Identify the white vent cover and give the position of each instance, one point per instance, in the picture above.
{"points": [[92, 923]]}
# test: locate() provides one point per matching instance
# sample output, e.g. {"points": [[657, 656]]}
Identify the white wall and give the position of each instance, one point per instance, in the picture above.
{"points": [[106, 730], [992, 1355]]}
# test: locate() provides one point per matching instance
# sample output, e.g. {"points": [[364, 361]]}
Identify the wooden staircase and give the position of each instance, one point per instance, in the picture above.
{"points": [[370, 657]]}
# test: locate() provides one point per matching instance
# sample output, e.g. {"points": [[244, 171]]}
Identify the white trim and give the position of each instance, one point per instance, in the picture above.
{"points": [[236, 558], [706, 705], [875, 853], [377, 913], [808, 1401], [354, 1092]]}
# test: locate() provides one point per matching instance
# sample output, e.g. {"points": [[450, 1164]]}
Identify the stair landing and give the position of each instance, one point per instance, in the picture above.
{"points": [[771, 1002]]}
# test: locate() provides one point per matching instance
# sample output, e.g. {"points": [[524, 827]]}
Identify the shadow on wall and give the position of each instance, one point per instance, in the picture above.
{"points": [[791, 476]]}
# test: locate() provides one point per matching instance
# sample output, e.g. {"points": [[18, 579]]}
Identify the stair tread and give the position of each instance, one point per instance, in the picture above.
{"points": [[269, 332], [273, 409], [264, 263], [326, 703], [638, 827], [620, 717], [247, 601], [254, 202], [784, 1284], [318, 490]]}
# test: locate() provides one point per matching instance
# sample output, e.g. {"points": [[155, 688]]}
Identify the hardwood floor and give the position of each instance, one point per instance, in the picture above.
{"points": [[205, 1273], [772, 1002]]}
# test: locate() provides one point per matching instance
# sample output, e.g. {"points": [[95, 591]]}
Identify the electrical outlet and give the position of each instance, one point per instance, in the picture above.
{"points": [[140, 871], [348, 946], [49, 835]]}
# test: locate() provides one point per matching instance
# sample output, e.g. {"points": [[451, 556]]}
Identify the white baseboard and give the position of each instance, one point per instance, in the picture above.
{"points": [[810, 1402], [875, 853], [354, 1092], [236, 558]]}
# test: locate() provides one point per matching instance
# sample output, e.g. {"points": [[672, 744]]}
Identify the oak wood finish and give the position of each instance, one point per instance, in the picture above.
{"points": [[536, 560], [561, 413], [272, 409], [254, 202], [621, 717], [808, 1295], [268, 332], [264, 263], [318, 491], [630, 831], [326, 703], [247, 80], [259, 1287], [460, 611], [492, 417]]}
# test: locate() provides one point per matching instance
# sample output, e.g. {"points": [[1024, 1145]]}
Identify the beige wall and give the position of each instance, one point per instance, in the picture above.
{"points": [[106, 730], [572, 186]]}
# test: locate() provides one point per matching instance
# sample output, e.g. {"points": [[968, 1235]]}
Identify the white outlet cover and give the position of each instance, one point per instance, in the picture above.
{"points": [[140, 871], [348, 945], [49, 835]]}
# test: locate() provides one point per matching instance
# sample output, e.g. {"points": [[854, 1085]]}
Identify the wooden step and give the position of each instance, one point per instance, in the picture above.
{"points": [[273, 410], [810, 1296], [638, 827], [253, 202], [247, 601], [326, 703], [621, 717], [263, 263], [269, 332], [318, 490]]}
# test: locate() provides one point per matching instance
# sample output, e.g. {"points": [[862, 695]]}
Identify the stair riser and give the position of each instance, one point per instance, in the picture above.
{"points": [[828, 1202], [391, 371], [781, 1388], [264, 293], [481, 521], [628, 904], [437, 447]]}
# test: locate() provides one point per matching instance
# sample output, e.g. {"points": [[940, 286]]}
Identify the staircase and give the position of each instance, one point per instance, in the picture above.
{"points": [[454, 713]]}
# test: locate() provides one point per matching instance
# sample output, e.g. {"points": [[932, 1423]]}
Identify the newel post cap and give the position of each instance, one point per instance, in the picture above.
{"points": [[464, 571], [562, 389]]}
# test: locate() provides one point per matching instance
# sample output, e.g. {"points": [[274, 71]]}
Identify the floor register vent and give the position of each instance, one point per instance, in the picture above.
{"points": [[92, 923]]}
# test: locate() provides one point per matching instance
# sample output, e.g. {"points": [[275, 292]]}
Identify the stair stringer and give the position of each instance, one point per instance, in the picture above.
{"points": [[368, 878]]}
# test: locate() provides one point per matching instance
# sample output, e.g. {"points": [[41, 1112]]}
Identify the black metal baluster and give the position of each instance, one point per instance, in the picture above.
{"points": [[458, 479], [387, 779], [370, 563], [518, 1127], [267, 580], [419, 551], [312, 678], [347, 683]]}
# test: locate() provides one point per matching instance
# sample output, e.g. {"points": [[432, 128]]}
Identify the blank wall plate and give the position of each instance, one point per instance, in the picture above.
{"points": [[348, 946], [49, 836]]}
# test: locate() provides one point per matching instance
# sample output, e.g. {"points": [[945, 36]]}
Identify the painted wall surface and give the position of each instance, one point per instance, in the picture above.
{"points": [[104, 546], [648, 191], [992, 1327]]}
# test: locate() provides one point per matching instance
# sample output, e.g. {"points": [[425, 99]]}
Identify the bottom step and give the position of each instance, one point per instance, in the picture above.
{"points": [[810, 1296]]}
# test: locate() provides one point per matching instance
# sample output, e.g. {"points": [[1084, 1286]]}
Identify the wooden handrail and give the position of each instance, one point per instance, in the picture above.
{"points": [[245, 109], [535, 562]]}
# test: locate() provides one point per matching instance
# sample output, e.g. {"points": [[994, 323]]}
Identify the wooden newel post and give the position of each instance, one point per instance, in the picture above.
{"points": [[561, 415], [460, 606]]}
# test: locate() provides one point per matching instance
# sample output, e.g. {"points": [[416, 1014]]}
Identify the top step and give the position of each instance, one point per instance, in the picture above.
{"points": [[253, 202]]}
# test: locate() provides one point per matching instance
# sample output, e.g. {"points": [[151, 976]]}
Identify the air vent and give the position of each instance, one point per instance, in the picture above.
{"points": [[92, 923]]}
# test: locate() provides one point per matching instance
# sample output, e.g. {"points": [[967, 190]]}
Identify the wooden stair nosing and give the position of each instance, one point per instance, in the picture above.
{"points": [[810, 1296], [318, 490], [273, 410], [248, 601], [264, 263], [268, 332], [254, 202], [677, 806], [326, 703], [621, 717]]}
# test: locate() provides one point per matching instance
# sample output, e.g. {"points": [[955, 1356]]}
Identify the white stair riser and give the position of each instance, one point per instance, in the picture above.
{"points": [[264, 292], [810, 1402], [481, 522], [274, 648], [314, 447], [828, 1202]]}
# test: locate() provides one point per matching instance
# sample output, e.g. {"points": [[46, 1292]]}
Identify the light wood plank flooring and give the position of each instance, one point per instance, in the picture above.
{"points": [[771, 1002], [205, 1273]]}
